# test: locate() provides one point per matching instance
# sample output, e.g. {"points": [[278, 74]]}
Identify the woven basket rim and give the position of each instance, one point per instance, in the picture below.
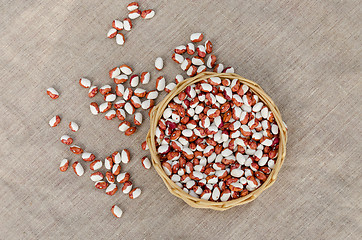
{"points": [[156, 114]]}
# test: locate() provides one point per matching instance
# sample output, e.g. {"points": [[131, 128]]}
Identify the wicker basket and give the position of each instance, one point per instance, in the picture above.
{"points": [[176, 190]]}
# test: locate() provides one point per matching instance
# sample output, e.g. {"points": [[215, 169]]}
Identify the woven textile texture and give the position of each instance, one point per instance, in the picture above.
{"points": [[306, 55]]}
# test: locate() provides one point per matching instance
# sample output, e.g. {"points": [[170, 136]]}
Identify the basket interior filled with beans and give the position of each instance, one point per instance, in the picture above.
{"points": [[217, 140]]}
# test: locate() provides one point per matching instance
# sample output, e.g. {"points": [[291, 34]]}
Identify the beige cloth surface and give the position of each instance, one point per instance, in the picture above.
{"points": [[305, 54]]}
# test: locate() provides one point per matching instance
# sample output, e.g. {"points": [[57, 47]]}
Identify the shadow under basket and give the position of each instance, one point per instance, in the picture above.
{"points": [[156, 114]]}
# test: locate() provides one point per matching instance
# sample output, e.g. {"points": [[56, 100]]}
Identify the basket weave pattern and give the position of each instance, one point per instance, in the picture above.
{"points": [[156, 114]]}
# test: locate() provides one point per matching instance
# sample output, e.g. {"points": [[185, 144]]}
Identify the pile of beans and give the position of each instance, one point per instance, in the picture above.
{"points": [[201, 56], [216, 140], [129, 97], [126, 24]]}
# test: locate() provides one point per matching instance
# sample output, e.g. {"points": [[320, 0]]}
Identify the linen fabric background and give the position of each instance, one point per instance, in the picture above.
{"points": [[305, 54]]}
